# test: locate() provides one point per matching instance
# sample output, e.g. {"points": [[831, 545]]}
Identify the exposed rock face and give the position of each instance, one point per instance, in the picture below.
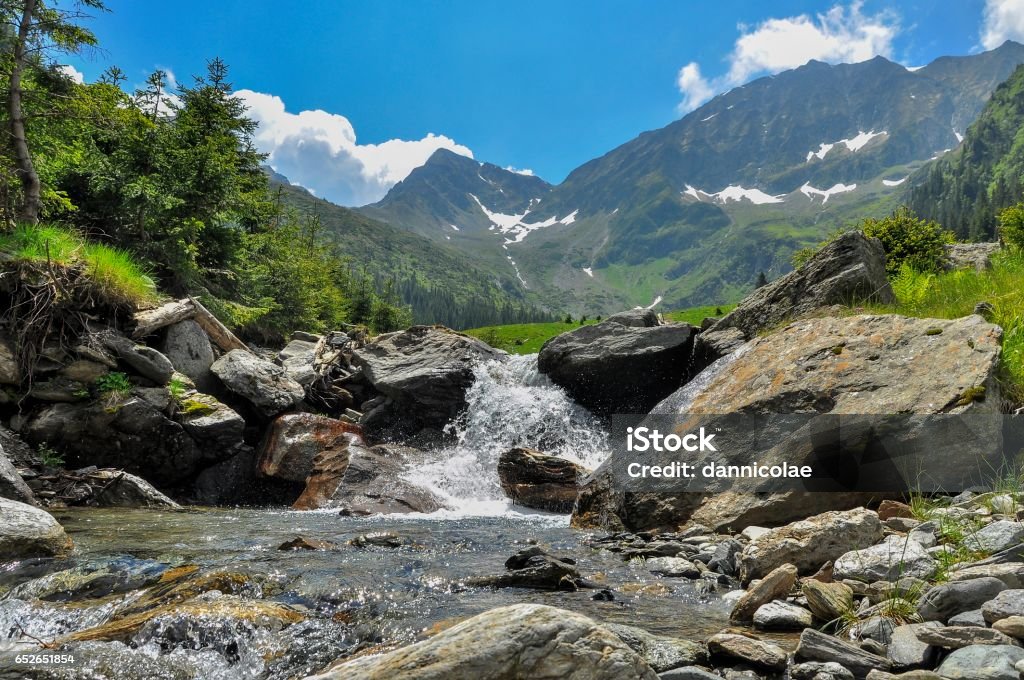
{"points": [[189, 350], [26, 531], [809, 543], [849, 366], [10, 372], [264, 385], [295, 439], [518, 641], [12, 486], [849, 269], [536, 480], [362, 481], [424, 372], [624, 364]]}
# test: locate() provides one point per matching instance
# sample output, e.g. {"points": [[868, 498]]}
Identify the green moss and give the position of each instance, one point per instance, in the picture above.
{"points": [[837, 350], [933, 331], [971, 395], [194, 407]]}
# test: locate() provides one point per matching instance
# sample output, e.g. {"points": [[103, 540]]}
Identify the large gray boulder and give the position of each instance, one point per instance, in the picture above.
{"points": [[26, 531], [424, 372], [851, 367], [146, 361], [894, 558], [297, 359], [849, 269], [624, 364], [507, 643], [190, 352], [264, 385], [12, 486]]}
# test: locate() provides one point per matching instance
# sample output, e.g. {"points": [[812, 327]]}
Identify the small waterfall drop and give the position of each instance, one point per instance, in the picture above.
{"points": [[510, 404]]}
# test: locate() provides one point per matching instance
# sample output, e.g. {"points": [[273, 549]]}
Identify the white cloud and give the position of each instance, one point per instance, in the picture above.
{"points": [[842, 34], [1003, 20], [319, 150], [72, 72], [520, 171]]}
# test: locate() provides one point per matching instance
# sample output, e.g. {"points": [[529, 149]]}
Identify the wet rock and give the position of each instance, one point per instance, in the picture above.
{"points": [[906, 651], [230, 482], [661, 653], [533, 568], [380, 539], [624, 364], [425, 372], [1005, 604], [819, 670], [776, 584], [780, 615], [91, 581], [188, 348], [849, 268], [827, 601], [943, 601], [809, 543], [896, 556], [264, 385], [360, 480], [956, 637], [523, 640], [758, 653], [982, 662], [817, 646], [305, 543], [536, 480], [672, 567], [119, 489], [146, 361], [12, 486], [295, 439], [997, 536], [26, 531]]}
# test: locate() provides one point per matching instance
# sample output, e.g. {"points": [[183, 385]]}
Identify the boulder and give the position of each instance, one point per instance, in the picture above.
{"points": [[624, 364], [955, 637], [188, 348], [295, 439], [776, 584], [895, 557], [146, 361], [536, 480], [1004, 605], [517, 641], [1011, 625], [977, 256], [982, 662], [809, 543], [12, 486], [231, 482], [888, 509], [973, 617], [672, 567], [297, 359], [995, 537], [817, 646], [118, 489], [661, 653], [758, 653], [534, 568], [779, 615], [424, 372], [264, 385], [214, 426], [852, 368], [828, 601], [907, 651], [819, 670], [360, 480], [26, 531], [943, 601]]}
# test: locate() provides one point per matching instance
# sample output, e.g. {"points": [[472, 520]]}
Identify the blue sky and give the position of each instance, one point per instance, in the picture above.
{"points": [[543, 86]]}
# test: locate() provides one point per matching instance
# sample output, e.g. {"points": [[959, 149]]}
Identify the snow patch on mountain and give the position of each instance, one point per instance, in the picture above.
{"points": [[733, 193], [588, 271], [514, 227], [810, 192], [853, 144], [894, 182], [959, 137], [570, 218], [453, 227]]}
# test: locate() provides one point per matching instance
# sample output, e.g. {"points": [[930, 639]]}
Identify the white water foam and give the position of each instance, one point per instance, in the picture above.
{"points": [[510, 404]]}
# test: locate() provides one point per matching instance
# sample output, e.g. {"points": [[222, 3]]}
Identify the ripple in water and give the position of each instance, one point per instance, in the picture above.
{"points": [[510, 404]]}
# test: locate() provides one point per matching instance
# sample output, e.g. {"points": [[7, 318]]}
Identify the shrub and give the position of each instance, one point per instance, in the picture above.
{"points": [[1011, 226], [910, 240]]}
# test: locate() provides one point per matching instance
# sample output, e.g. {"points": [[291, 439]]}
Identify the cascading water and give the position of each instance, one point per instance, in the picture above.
{"points": [[510, 404]]}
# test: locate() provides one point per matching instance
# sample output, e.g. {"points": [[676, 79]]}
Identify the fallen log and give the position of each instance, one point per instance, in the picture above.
{"points": [[148, 321], [219, 334]]}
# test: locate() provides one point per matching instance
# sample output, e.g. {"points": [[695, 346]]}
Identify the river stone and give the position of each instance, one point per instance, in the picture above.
{"points": [[672, 567], [943, 601], [827, 601], [624, 364], [12, 486], [796, 369], [955, 637], [819, 670], [888, 509], [896, 556], [536, 480], [190, 352], [146, 361], [780, 615], [906, 651], [776, 584], [119, 489], [908, 675], [295, 439], [661, 653], [517, 641], [817, 646], [688, 673], [297, 360], [982, 662], [997, 536], [264, 385], [1005, 604], [809, 543], [425, 372], [924, 534], [973, 617], [26, 531], [758, 653], [1012, 626], [724, 558]]}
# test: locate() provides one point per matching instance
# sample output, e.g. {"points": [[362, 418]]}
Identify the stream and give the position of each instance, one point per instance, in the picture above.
{"points": [[349, 598]]}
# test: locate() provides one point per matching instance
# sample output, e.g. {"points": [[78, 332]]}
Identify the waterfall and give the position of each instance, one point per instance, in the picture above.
{"points": [[509, 404]]}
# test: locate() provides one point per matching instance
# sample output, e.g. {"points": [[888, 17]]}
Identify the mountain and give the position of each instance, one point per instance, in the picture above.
{"points": [[967, 188], [692, 212], [441, 283]]}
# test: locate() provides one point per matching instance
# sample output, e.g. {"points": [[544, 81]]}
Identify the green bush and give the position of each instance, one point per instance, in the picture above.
{"points": [[910, 240], [1011, 226]]}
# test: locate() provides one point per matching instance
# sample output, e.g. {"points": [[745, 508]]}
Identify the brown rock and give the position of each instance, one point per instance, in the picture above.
{"points": [[536, 480], [827, 601], [888, 509], [304, 543], [775, 585], [295, 439], [760, 653]]}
